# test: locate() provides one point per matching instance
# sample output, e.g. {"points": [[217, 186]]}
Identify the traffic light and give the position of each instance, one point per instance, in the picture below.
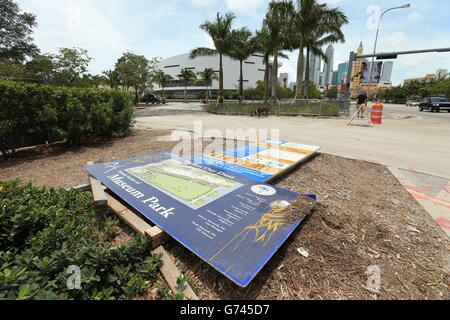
{"points": [[387, 57]]}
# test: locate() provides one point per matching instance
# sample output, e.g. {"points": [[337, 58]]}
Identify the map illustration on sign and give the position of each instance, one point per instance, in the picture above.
{"points": [[234, 224], [192, 186], [262, 161]]}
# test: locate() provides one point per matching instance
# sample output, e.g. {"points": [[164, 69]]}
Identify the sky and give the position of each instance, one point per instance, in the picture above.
{"points": [[165, 28]]}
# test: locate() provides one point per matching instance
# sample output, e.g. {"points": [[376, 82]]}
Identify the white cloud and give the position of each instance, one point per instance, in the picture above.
{"points": [[395, 40], [77, 24], [203, 3], [243, 5], [415, 16], [240, 6]]}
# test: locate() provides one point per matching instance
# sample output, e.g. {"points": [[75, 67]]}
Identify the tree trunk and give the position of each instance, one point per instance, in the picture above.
{"points": [[185, 93], [266, 81], [241, 83], [221, 97], [300, 68], [275, 74], [306, 88]]}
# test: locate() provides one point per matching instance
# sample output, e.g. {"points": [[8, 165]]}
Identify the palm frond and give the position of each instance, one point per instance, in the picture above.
{"points": [[202, 52]]}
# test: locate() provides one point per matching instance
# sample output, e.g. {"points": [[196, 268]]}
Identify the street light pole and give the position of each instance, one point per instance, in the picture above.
{"points": [[376, 43]]}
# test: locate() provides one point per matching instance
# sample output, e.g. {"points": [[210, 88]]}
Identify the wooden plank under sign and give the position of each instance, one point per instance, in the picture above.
{"points": [[81, 187], [171, 273], [135, 222], [98, 191], [155, 234]]}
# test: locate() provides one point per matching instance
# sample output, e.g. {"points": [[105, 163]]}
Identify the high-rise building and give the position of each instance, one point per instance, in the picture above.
{"points": [[335, 78], [321, 79], [283, 80], [314, 68], [342, 72], [328, 67], [357, 70], [386, 75]]}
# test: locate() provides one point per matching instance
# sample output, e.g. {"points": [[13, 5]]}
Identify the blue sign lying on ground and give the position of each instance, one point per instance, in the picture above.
{"points": [[232, 223]]}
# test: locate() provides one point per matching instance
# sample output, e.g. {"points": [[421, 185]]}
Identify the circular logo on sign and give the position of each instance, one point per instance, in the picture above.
{"points": [[263, 190]]}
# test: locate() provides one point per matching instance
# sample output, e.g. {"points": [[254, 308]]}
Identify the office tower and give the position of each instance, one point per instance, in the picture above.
{"points": [[314, 68], [328, 68], [335, 78], [342, 72]]}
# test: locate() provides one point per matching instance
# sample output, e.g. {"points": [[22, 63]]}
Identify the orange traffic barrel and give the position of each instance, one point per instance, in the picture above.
{"points": [[377, 113]]}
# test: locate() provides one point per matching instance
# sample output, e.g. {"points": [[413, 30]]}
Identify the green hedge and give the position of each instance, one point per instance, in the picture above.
{"points": [[44, 231], [75, 114]]}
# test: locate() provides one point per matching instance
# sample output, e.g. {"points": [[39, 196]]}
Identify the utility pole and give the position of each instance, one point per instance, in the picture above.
{"points": [[376, 43]]}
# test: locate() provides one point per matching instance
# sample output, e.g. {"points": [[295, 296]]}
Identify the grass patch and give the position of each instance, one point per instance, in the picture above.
{"points": [[44, 231], [298, 109]]}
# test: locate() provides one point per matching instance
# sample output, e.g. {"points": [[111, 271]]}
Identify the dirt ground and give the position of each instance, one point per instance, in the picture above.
{"points": [[364, 218], [63, 166]]}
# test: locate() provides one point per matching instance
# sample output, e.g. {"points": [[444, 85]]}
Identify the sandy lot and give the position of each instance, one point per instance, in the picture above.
{"points": [[364, 218]]}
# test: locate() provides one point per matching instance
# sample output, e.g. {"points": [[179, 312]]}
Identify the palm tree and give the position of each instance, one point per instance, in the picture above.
{"points": [[162, 78], [208, 75], [112, 77], [316, 25], [220, 32], [243, 47], [263, 45], [278, 21], [188, 76]]}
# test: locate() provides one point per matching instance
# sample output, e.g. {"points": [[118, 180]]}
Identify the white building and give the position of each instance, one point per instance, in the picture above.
{"points": [[253, 70], [328, 67], [283, 80]]}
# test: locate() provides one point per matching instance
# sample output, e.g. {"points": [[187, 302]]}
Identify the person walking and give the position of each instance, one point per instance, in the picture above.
{"points": [[361, 104]]}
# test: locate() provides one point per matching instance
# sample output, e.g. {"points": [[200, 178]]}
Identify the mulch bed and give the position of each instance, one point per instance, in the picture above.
{"points": [[63, 166], [364, 218]]}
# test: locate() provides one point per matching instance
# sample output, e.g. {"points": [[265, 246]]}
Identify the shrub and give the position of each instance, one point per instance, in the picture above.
{"points": [[44, 231], [58, 113]]}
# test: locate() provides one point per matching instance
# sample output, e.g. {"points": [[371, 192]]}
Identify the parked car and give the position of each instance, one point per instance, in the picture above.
{"points": [[435, 104], [154, 99], [412, 103]]}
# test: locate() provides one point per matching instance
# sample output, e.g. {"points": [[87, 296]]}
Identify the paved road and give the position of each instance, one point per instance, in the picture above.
{"points": [[420, 143], [414, 111]]}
